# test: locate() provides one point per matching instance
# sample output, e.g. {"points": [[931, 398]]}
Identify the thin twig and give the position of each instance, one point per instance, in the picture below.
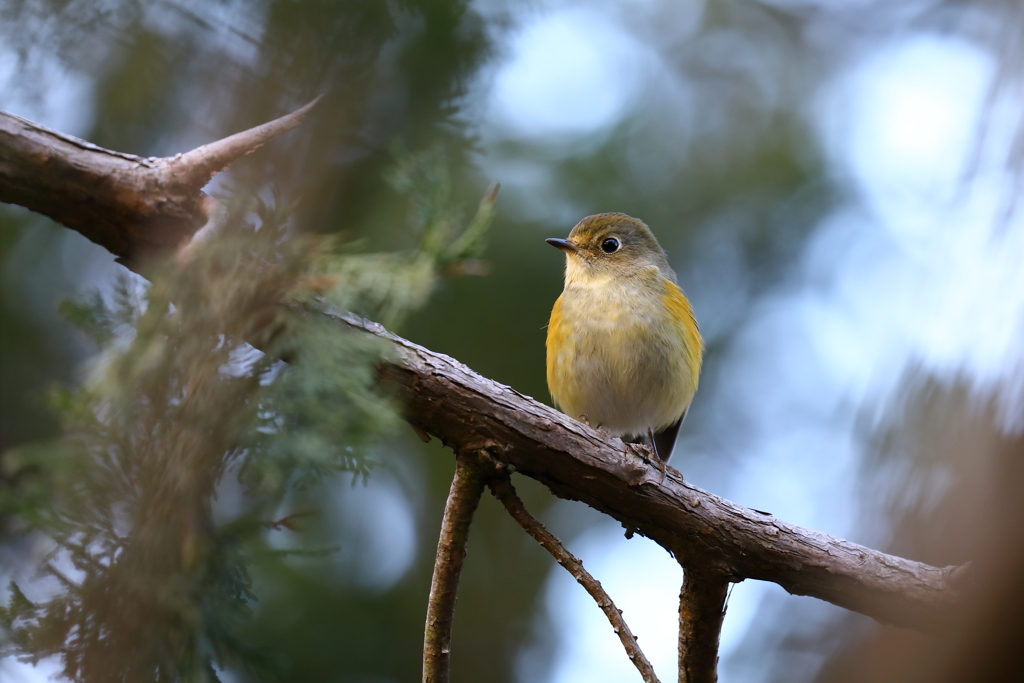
{"points": [[701, 611], [463, 498], [502, 489]]}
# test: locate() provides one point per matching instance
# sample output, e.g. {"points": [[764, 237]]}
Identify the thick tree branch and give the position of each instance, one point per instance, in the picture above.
{"points": [[137, 208], [701, 611], [115, 200], [463, 498], [466, 411], [501, 487]]}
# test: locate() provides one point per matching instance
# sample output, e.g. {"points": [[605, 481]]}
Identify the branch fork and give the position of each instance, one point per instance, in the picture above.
{"points": [[473, 470]]}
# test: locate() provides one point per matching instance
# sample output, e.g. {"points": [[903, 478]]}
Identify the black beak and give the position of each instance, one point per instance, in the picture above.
{"points": [[565, 245]]}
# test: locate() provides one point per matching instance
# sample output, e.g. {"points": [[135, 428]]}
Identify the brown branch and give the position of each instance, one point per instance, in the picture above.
{"points": [[701, 611], [467, 411], [137, 208], [71, 181], [197, 167], [501, 487], [463, 498]]}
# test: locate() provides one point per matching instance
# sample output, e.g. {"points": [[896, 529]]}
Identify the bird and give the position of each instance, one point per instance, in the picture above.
{"points": [[624, 350]]}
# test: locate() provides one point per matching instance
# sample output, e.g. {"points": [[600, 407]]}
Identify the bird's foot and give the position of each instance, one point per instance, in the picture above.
{"points": [[657, 456], [585, 419]]}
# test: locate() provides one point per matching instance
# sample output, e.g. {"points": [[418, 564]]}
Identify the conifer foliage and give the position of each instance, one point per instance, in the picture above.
{"points": [[212, 373]]}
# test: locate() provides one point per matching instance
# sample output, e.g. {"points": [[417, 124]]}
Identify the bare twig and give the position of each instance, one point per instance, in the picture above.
{"points": [[463, 498], [701, 611], [502, 489]]}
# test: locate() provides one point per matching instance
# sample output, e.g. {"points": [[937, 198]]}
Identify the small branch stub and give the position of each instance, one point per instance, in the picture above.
{"points": [[138, 208]]}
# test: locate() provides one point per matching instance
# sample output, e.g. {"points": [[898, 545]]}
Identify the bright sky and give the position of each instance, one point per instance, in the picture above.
{"points": [[588, 67]]}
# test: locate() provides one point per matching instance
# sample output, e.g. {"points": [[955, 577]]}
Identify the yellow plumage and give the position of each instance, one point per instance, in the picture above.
{"points": [[623, 347]]}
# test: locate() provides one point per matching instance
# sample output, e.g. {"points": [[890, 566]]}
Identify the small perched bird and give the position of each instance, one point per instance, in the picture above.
{"points": [[623, 348]]}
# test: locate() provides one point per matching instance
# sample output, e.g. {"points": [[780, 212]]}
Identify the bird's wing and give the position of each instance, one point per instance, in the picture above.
{"points": [[682, 312], [665, 440]]}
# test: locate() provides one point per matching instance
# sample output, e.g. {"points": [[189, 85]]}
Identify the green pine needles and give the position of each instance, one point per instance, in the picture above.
{"points": [[221, 367]]}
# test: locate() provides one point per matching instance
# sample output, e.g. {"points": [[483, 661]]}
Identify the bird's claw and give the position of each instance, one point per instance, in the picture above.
{"points": [[585, 419]]}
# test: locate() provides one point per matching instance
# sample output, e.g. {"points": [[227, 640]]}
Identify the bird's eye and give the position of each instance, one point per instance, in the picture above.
{"points": [[610, 245]]}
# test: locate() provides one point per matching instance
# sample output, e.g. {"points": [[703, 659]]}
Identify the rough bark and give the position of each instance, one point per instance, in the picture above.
{"points": [[138, 208], [701, 611], [463, 498], [445, 398]]}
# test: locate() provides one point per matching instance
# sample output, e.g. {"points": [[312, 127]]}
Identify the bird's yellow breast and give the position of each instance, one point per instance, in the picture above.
{"points": [[625, 352]]}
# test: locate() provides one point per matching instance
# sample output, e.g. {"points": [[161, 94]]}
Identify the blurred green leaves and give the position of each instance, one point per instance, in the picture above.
{"points": [[191, 383], [387, 286]]}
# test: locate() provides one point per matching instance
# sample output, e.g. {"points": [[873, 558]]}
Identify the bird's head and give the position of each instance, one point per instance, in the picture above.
{"points": [[611, 245]]}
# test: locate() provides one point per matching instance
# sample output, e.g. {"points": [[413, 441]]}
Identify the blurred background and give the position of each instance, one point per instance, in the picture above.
{"points": [[835, 183]]}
